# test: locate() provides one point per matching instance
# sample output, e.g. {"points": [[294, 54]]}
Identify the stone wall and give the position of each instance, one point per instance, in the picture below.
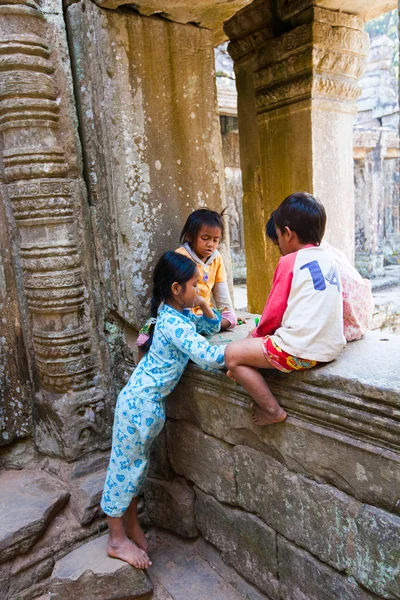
{"points": [[305, 509]]}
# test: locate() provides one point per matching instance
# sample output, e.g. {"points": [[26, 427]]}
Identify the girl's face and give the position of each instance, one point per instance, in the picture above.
{"points": [[206, 242], [183, 295]]}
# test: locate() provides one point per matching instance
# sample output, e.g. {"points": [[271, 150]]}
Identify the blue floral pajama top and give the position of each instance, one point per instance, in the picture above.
{"points": [[140, 411]]}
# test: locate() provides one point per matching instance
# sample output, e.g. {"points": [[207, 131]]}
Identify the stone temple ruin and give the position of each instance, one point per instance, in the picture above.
{"points": [[109, 137], [376, 153]]}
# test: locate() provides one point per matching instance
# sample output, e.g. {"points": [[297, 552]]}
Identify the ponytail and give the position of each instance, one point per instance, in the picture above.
{"points": [[172, 267]]}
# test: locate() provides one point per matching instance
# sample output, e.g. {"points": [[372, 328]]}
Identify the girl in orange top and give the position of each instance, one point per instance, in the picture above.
{"points": [[200, 238]]}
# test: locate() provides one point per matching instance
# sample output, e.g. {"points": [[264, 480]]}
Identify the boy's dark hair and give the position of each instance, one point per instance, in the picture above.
{"points": [[303, 214], [170, 267], [270, 229], [197, 219]]}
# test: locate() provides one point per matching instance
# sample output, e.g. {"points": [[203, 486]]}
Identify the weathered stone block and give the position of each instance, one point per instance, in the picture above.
{"points": [[303, 577], [90, 574], [206, 461], [160, 467], [29, 500], [24, 579], [170, 504], [86, 496], [376, 559], [245, 541], [317, 517], [361, 540]]}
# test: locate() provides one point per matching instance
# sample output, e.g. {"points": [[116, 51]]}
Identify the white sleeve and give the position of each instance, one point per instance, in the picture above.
{"points": [[221, 295]]}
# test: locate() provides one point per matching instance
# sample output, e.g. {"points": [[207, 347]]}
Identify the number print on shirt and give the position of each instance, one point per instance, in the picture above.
{"points": [[318, 276]]}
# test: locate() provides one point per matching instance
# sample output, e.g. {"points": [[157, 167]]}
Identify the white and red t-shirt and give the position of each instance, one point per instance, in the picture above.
{"points": [[304, 310]]}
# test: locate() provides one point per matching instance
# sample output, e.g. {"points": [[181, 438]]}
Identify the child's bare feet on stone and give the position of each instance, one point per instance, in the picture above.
{"points": [[262, 416], [129, 552], [136, 533]]}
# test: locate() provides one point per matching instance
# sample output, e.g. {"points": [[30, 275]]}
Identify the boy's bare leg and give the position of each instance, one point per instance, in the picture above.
{"points": [[243, 360], [132, 526], [120, 546]]}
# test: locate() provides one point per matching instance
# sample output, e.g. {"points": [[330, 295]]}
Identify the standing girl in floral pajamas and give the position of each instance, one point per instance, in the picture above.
{"points": [[140, 413]]}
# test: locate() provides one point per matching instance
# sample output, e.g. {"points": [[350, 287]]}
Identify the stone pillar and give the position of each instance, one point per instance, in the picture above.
{"points": [[376, 198], [369, 154], [43, 193], [297, 93], [234, 194]]}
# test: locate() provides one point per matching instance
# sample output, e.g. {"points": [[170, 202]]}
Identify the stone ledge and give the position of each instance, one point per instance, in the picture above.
{"points": [[357, 394]]}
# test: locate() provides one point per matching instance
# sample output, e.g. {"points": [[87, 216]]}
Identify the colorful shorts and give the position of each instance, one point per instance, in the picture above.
{"points": [[281, 360]]}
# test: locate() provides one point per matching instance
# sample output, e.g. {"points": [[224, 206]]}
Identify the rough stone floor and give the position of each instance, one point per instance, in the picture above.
{"points": [[194, 570], [182, 570]]}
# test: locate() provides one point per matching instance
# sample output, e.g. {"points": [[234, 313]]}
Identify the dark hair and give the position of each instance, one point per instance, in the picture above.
{"points": [[303, 214], [197, 219], [171, 267], [270, 229]]}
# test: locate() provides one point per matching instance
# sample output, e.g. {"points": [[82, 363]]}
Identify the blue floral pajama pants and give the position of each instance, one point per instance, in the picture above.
{"points": [[137, 423]]}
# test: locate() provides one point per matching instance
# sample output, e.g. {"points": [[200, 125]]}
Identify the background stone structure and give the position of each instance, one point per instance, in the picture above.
{"points": [[376, 160]]}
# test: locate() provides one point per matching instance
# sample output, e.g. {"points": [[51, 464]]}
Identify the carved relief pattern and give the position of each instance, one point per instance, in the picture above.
{"points": [[42, 200], [238, 49], [313, 60]]}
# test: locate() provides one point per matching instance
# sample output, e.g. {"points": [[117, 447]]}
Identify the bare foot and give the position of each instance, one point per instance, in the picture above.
{"points": [[136, 533], [261, 416], [126, 550]]}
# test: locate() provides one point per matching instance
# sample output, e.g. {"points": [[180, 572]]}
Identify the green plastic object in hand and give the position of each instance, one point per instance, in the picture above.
{"points": [[257, 320]]}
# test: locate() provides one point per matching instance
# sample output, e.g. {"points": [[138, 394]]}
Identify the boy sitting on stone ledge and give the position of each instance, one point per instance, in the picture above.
{"points": [[302, 322]]}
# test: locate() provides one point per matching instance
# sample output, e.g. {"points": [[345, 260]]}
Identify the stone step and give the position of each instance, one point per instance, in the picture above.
{"points": [[29, 501], [181, 572], [88, 573]]}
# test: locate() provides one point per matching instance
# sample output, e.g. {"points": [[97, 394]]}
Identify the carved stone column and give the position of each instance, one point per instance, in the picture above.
{"points": [[304, 91], [45, 196]]}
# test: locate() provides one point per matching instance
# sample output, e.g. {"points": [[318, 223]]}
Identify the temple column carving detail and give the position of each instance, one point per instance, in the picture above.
{"points": [[44, 195]]}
